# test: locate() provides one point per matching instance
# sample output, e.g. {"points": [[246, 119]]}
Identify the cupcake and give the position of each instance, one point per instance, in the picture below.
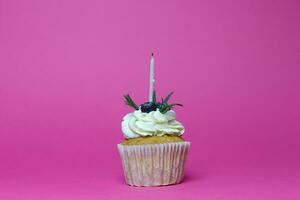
{"points": [[153, 152]]}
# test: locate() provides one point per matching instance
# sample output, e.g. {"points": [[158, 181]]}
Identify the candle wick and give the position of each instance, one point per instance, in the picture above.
{"points": [[152, 54]]}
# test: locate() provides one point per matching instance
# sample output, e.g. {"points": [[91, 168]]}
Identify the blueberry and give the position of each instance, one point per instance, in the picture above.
{"points": [[148, 107]]}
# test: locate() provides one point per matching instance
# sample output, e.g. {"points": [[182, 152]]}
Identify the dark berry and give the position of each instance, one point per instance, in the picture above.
{"points": [[148, 107]]}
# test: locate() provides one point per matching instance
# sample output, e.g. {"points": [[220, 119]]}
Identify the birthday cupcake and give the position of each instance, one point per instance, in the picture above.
{"points": [[153, 152]]}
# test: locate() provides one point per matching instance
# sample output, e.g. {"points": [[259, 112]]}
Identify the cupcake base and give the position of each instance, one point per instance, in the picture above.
{"points": [[154, 164]]}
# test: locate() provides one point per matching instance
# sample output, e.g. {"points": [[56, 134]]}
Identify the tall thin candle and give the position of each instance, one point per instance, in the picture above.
{"points": [[151, 77]]}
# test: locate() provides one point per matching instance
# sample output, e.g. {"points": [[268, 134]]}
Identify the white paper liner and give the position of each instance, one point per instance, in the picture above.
{"points": [[154, 164]]}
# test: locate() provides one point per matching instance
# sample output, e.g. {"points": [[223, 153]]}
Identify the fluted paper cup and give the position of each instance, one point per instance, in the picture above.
{"points": [[154, 164]]}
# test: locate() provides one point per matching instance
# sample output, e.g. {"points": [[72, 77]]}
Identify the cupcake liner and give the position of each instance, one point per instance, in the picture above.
{"points": [[154, 164]]}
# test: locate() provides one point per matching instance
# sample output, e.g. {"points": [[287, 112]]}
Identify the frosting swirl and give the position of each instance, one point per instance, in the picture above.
{"points": [[154, 123]]}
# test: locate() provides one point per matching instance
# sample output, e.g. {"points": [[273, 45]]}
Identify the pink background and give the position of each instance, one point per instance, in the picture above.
{"points": [[64, 66]]}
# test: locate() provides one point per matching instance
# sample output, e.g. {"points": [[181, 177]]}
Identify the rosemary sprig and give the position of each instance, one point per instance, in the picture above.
{"points": [[167, 98], [164, 106], [129, 101], [154, 97]]}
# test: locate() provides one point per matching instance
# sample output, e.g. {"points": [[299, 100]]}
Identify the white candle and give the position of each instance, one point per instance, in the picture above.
{"points": [[151, 77]]}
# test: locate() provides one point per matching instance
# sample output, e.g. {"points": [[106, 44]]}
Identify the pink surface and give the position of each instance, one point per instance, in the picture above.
{"points": [[64, 66]]}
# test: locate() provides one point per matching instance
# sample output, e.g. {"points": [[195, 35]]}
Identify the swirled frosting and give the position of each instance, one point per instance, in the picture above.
{"points": [[140, 124]]}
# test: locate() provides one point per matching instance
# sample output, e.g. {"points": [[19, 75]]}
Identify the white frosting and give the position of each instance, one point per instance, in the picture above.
{"points": [[139, 124]]}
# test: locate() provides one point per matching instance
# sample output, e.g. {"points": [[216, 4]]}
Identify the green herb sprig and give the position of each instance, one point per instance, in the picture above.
{"points": [[129, 101], [163, 106]]}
